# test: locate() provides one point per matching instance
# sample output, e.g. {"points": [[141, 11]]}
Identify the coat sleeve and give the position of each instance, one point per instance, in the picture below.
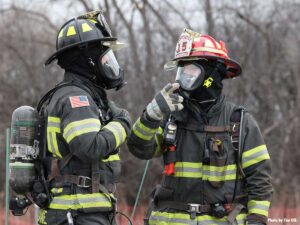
{"points": [[145, 141], [256, 164], [82, 130]]}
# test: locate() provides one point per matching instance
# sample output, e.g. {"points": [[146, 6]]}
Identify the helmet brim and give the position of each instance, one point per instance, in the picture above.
{"points": [[115, 45], [233, 68]]}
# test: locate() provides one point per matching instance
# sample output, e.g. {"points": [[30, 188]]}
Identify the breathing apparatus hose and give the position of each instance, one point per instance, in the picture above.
{"points": [[139, 191]]}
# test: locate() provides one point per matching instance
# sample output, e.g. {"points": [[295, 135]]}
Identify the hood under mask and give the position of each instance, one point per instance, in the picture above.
{"points": [[94, 64]]}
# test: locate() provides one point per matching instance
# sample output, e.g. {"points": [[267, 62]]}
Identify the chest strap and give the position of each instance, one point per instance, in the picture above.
{"points": [[217, 128], [81, 181], [191, 208]]}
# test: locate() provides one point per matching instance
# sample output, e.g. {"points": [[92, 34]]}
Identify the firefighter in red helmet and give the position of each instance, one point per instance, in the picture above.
{"points": [[216, 164]]}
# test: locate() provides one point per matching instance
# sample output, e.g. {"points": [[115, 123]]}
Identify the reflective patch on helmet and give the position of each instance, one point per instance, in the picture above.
{"points": [[61, 33], [71, 31], [85, 27], [208, 82], [209, 43]]}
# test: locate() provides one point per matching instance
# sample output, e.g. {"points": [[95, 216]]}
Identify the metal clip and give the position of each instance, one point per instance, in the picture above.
{"points": [[82, 182]]}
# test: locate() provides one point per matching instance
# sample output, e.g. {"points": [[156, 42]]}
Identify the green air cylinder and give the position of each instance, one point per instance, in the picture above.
{"points": [[22, 153]]}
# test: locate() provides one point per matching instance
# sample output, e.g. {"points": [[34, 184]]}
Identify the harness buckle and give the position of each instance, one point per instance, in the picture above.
{"points": [[194, 208], [82, 181]]}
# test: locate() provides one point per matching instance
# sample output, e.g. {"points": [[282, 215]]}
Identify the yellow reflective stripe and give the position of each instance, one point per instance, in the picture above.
{"points": [[85, 27], [71, 31], [79, 206], [53, 128], [80, 127], [214, 173], [187, 174], [158, 141], [57, 190], [254, 156], [143, 132], [252, 151], [118, 131], [114, 157], [258, 207], [165, 218], [42, 217], [78, 201], [93, 21], [53, 119], [206, 172], [188, 164], [219, 168]]}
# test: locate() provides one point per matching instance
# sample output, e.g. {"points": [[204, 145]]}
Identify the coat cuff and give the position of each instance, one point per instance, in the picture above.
{"points": [[256, 219]]}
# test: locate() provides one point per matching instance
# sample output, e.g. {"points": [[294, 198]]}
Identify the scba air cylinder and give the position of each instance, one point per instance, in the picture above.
{"points": [[22, 152]]}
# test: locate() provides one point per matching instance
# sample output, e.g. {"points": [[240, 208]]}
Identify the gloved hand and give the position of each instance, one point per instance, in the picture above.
{"points": [[165, 102], [121, 115]]}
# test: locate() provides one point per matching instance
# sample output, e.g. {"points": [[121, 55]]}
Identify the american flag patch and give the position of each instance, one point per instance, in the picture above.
{"points": [[79, 101]]}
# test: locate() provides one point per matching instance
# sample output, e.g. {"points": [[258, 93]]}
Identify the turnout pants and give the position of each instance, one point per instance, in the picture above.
{"points": [[59, 217]]}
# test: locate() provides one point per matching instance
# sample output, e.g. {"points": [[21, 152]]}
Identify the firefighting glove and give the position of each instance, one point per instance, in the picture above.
{"points": [[121, 115], [165, 102]]}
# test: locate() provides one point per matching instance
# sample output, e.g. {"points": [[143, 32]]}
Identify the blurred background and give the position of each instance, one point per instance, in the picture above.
{"points": [[262, 35]]}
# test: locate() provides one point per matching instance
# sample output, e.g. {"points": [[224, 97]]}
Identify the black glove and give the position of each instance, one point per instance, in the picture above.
{"points": [[121, 115]]}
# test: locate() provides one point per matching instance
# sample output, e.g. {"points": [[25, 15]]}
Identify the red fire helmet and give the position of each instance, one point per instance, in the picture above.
{"points": [[193, 46]]}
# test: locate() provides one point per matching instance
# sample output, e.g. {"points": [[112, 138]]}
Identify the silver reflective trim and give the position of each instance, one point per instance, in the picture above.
{"points": [[53, 124], [259, 206], [78, 128], [143, 132], [52, 143], [188, 169], [117, 130], [77, 201], [219, 173], [256, 155]]}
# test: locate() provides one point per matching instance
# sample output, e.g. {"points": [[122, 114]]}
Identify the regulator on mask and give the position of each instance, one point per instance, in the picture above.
{"points": [[22, 156]]}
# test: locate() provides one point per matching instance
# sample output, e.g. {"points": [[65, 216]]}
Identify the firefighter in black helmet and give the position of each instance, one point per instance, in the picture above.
{"points": [[84, 130], [216, 164]]}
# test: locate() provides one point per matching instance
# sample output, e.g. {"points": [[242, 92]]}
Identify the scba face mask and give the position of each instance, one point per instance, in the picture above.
{"points": [[111, 74], [190, 76], [199, 82]]}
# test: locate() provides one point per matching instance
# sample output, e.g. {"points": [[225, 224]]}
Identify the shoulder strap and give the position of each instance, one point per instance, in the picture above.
{"points": [[237, 117], [47, 97]]}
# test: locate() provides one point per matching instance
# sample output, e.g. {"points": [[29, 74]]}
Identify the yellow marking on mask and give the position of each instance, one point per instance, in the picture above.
{"points": [[208, 82]]}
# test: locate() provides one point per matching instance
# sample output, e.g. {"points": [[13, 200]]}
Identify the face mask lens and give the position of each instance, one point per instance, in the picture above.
{"points": [[109, 63], [188, 75]]}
